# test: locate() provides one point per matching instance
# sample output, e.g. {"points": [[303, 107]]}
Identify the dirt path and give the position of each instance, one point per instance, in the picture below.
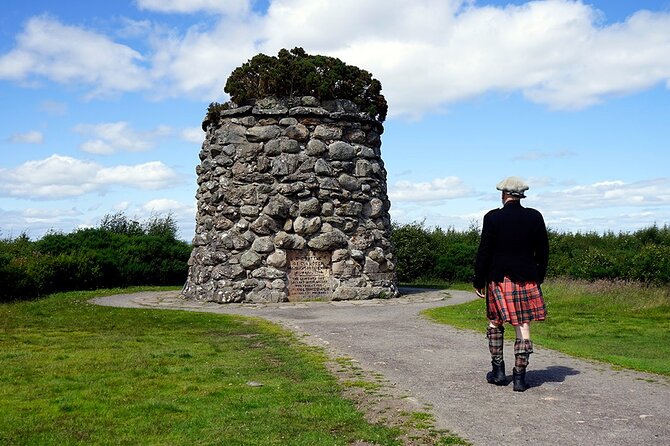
{"points": [[570, 402]]}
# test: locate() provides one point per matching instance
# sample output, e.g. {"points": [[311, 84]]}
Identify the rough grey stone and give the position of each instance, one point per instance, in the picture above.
{"points": [[315, 147], [341, 151], [250, 259], [268, 273], [288, 121], [277, 259], [285, 164], [289, 241], [327, 132], [348, 182], [278, 206], [262, 132], [263, 245], [322, 167], [297, 132], [304, 226], [309, 207], [329, 241]]}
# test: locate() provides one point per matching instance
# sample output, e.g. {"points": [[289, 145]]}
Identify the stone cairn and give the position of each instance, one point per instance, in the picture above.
{"points": [[292, 205]]}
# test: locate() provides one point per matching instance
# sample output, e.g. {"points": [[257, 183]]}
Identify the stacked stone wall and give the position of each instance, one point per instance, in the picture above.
{"points": [[292, 205]]}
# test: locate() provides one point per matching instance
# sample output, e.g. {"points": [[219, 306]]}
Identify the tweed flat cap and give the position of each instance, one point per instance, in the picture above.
{"points": [[514, 186]]}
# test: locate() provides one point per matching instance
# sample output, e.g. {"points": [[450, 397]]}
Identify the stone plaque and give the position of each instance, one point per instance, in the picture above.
{"points": [[308, 275]]}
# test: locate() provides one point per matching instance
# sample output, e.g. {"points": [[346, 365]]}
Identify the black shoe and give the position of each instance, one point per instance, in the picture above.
{"points": [[497, 375], [519, 380]]}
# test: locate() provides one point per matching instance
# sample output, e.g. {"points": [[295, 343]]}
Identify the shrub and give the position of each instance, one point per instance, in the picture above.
{"points": [[414, 255], [119, 252], [296, 73]]}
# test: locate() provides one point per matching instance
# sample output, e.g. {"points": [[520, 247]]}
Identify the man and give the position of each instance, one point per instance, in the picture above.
{"points": [[510, 266]]}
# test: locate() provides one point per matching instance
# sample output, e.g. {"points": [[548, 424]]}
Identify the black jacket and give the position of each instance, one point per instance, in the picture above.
{"points": [[514, 243]]}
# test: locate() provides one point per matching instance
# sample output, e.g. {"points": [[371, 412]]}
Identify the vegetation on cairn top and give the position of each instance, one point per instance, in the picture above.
{"points": [[296, 73]]}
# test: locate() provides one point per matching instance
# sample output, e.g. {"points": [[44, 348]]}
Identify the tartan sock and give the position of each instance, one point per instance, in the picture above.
{"points": [[522, 350], [495, 336]]}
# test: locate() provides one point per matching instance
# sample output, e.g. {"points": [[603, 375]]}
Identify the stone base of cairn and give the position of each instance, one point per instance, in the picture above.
{"points": [[292, 205]]}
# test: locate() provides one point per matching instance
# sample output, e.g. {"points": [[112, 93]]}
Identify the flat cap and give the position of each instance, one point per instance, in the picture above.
{"points": [[514, 186]]}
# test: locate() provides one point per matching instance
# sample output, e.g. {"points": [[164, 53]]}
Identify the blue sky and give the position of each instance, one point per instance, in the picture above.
{"points": [[101, 103]]}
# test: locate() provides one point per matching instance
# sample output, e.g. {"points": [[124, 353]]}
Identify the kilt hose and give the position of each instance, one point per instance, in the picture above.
{"points": [[515, 303], [495, 336]]}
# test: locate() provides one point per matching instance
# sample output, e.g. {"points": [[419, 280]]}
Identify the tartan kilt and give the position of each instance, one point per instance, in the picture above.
{"points": [[516, 303]]}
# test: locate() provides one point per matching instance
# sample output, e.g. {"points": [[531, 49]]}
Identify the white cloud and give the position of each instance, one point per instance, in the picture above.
{"points": [[190, 6], [609, 194], [193, 134], [72, 55], [435, 190], [151, 175], [429, 53], [53, 108], [58, 177], [534, 156], [164, 205], [32, 137], [198, 64], [112, 137], [426, 53]]}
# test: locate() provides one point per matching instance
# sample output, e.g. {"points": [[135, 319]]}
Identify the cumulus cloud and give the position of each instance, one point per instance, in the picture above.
{"points": [[58, 177], [111, 137], [32, 137], [435, 190], [429, 53], [190, 6], [53, 108], [534, 156], [426, 53], [48, 49], [193, 134], [165, 205], [609, 194]]}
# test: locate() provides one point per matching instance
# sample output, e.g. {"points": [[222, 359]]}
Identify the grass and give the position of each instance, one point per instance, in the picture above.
{"points": [[624, 324], [74, 373]]}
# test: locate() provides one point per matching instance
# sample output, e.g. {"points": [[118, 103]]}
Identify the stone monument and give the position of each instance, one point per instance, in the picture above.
{"points": [[292, 204]]}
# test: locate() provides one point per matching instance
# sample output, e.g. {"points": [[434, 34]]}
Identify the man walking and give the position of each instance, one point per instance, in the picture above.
{"points": [[510, 266]]}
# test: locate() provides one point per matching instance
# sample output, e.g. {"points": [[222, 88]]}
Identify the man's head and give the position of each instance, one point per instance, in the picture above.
{"points": [[512, 188]]}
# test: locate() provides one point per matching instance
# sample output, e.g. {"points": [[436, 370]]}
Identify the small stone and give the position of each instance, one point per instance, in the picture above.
{"points": [[277, 259], [289, 241], [250, 260], [288, 121], [322, 167], [326, 132], [262, 133], [263, 245], [297, 132], [329, 241], [315, 147], [341, 151], [309, 207], [303, 226]]}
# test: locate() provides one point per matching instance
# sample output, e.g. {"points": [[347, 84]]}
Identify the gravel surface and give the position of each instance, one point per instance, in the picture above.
{"points": [[570, 402]]}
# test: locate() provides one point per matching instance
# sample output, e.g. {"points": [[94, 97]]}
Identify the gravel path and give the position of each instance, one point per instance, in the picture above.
{"points": [[570, 402]]}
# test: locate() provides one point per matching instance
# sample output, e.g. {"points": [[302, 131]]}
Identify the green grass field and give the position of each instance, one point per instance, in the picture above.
{"points": [[624, 324], [75, 373]]}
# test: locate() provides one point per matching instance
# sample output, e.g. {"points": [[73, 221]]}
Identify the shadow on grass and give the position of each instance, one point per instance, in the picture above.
{"points": [[552, 374]]}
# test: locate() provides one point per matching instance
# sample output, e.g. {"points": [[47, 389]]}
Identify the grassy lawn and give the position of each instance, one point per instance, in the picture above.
{"points": [[75, 373], [623, 324]]}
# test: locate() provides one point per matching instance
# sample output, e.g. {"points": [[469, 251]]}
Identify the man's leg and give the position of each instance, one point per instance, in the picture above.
{"points": [[523, 347], [495, 334]]}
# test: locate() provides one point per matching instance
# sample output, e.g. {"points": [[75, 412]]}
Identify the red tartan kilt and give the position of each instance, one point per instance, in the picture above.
{"points": [[516, 303]]}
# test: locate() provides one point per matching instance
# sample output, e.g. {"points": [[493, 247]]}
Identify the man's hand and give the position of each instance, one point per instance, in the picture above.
{"points": [[481, 292]]}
